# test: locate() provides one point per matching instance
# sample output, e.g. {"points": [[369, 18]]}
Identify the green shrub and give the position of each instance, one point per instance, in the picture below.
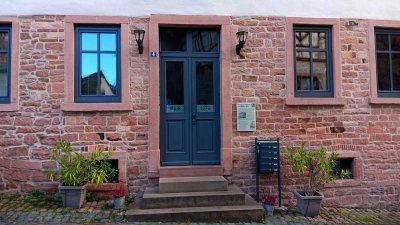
{"points": [[76, 170], [315, 166]]}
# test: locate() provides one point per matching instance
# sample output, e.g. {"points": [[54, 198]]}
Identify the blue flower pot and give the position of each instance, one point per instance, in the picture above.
{"points": [[269, 209]]}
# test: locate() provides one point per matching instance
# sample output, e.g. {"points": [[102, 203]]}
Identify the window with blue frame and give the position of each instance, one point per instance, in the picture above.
{"points": [[313, 61], [98, 67], [5, 63], [388, 62]]}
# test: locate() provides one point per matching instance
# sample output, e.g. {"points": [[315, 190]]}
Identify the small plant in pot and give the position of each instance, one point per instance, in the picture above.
{"points": [[76, 170], [119, 198], [316, 167], [269, 202]]}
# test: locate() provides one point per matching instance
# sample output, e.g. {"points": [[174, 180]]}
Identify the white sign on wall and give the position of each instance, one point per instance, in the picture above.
{"points": [[246, 116]]}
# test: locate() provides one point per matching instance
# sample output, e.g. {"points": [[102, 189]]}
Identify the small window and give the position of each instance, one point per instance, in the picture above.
{"points": [[344, 168], [313, 61], [5, 63], [388, 62], [98, 72]]}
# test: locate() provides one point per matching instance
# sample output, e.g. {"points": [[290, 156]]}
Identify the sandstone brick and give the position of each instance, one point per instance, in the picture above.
{"points": [[17, 152], [114, 136], [23, 121]]}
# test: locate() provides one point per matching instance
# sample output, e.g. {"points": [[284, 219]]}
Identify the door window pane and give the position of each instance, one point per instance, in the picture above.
{"points": [[173, 40], [3, 74], [302, 39], [3, 40], [319, 71], [89, 74], [89, 41], [174, 75], [108, 42], [318, 40], [205, 86], [383, 71], [303, 71], [108, 74], [205, 41]]}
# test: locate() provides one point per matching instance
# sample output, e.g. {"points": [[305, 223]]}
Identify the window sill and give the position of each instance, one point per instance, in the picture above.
{"points": [[96, 107], [343, 183], [384, 100], [315, 101], [13, 107]]}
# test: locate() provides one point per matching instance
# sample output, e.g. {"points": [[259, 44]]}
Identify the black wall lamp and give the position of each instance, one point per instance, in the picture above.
{"points": [[139, 36], [241, 36]]}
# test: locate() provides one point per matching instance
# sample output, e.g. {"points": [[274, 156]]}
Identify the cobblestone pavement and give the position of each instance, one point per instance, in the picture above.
{"points": [[36, 208]]}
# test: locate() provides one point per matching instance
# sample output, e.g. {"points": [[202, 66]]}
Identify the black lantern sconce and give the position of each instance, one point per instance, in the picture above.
{"points": [[139, 36], [242, 37]]}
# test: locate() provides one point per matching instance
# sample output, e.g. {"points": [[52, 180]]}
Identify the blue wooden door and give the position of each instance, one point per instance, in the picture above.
{"points": [[189, 106]]}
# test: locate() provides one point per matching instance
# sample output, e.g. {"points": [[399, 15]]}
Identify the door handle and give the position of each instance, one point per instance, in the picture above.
{"points": [[194, 117]]}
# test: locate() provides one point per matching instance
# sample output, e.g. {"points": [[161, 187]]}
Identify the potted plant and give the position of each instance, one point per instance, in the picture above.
{"points": [[119, 198], [76, 170], [268, 203], [316, 167]]}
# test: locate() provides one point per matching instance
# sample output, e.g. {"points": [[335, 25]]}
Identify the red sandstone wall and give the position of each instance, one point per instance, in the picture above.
{"points": [[27, 136], [371, 131]]}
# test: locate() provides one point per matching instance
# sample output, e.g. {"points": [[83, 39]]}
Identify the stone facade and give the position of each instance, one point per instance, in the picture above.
{"points": [[368, 132]]}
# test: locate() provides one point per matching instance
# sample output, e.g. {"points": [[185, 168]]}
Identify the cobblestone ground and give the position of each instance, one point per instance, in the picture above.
{"points": [[36, 208]]}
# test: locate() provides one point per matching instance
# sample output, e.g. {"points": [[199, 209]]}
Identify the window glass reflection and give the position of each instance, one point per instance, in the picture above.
{"points": [[3, 74], [89, 41], [205, 41], [3, 41], [108, 74], [108, 42], [89, 74]]}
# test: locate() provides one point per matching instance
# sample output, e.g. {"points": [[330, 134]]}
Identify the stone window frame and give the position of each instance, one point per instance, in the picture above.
{"points": [[374, 96], [357, 170], [69, 76], [13, 105], [291, 99]]}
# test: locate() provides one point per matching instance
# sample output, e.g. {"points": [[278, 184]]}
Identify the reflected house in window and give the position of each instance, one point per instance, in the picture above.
{"points": [[89, 85]]}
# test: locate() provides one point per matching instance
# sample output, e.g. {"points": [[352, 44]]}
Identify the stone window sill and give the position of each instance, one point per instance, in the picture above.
{"points": [[384, 101], [13, 107], [343, 183], [96, 107], [315, 101]]}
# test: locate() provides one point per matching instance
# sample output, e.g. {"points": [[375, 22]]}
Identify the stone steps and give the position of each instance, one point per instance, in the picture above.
{"points": [[154, 200], [192, 184], [251, 211], [195, 199]]}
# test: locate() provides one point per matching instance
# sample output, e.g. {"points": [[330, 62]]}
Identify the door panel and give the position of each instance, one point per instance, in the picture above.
{"points": [[189, 99], [205, 105], [174, 130]]}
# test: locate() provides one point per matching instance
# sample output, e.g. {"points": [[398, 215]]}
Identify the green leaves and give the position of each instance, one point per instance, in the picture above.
{"points": [[316, 166], [77, 170]]}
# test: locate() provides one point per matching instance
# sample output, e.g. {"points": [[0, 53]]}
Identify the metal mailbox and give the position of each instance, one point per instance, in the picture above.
{"points": [[268, 161]]}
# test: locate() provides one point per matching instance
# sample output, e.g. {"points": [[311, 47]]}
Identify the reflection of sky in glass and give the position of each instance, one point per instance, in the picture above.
{"points": [[89, 41], [89, 64], [108, 64], [108, 61], [107, 42]]}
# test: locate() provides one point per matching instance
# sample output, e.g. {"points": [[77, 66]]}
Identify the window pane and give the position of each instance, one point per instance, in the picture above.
{"points": [[396, 71], [205, 41], [174, 85], [303, 71], [319, 71], [395, 43], [3, 40], [89, 74], [173, 40], [383, 71], [108, 74], [205, 87], [318, 39], [108, 42], [302, 39], [381, 42], [3, 74], [89, 41]]}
